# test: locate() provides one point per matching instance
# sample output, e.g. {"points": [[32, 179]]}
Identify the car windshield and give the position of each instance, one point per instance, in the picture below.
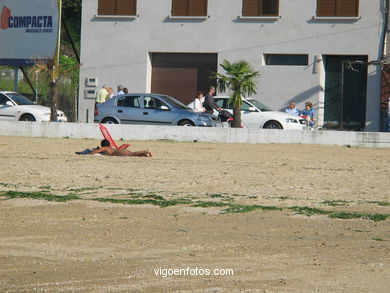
{"points": [[175, 103], [260, 106], [19, 99]]}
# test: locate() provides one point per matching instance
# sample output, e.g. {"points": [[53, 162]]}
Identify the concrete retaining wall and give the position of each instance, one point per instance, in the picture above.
{"points": [[176, 133]]}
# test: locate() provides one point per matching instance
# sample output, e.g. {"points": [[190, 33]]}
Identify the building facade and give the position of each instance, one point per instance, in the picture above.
{"points": [[322, 51]]}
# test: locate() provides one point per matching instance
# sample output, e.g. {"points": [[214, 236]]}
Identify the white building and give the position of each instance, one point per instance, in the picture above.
{"points": [[299, 47]]}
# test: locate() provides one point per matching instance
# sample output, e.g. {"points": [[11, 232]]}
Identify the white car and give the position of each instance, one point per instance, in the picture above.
{"points": [[15, 107], [256, 115]]}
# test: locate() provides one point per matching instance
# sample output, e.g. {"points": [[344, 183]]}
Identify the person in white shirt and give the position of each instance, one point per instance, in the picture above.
{"points": [[120, 90], [197, 103], [292, 110]]}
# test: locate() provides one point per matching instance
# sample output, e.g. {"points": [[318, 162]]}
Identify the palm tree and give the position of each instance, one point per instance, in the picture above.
{"points": [[239, 80], [48, 67]]}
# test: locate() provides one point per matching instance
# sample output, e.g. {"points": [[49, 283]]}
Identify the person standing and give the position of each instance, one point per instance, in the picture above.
{"points": [[110, 93], [209, 102], [292, 110], [102, 95], [120, 90]]}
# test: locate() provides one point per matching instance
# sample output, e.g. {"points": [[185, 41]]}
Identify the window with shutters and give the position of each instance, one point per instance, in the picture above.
{"points": [[260, 8], [343, 8], [117, 7], [189, 7]]}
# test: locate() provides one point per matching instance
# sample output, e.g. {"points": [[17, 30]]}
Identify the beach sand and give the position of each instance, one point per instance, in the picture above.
{"points": [[232, 217]]}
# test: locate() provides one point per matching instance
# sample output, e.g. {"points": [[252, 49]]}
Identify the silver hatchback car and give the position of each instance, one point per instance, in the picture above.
{"points": [[154, 109]]}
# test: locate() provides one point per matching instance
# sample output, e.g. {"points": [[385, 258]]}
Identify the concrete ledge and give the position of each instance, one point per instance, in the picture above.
{"points": [[177, 133]]}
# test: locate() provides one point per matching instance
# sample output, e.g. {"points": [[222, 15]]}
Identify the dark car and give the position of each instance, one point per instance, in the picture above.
{"points": [[154, 109]]}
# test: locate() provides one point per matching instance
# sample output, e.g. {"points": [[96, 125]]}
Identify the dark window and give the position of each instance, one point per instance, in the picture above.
{"points": [[244, 107], [338, 8], [283, 59], [260, 8], [153, 103], [3, 99], [189, 7], [117, 7], [220, 103], [128, 101], [229, 105], [19, 99]]}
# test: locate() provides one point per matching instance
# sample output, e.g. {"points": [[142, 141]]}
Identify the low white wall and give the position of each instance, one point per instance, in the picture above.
{"points": [[177, 133]]}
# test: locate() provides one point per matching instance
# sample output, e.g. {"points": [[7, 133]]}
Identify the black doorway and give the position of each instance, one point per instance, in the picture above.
{"points": [[345, 92]]}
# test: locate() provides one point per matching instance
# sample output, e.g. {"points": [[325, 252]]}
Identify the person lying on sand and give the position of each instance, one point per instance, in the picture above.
{"points": [[109, 151]]}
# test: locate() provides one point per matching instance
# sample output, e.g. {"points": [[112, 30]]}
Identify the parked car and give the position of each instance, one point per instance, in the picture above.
{"points": [[137, 108], [15, 107], [257, 115]]}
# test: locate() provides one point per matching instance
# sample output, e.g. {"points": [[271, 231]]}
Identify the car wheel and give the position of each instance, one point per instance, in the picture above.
{"points": [[272, 125], [110, 121], [27, 117], [186, 123]]}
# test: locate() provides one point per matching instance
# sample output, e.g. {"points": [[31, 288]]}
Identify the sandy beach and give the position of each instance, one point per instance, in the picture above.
{"points": [[196, 217]]}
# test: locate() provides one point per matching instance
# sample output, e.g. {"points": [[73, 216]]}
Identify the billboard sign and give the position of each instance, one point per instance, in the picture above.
{"points": [[29, 30]]}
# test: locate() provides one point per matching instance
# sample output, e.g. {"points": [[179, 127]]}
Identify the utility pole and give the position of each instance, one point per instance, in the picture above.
{"points": [[16, 78]]}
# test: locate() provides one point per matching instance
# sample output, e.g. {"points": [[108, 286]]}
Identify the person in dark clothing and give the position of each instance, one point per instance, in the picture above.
{"points": [[209, 103]]}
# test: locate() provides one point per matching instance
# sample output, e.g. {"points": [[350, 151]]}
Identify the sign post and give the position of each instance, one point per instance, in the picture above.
{"points": [[16, 78]]}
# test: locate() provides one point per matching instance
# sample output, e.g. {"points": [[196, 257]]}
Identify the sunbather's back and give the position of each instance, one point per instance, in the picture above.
{"points": [[104, 150]]}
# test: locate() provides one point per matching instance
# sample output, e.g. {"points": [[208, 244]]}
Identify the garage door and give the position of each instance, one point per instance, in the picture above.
{"points": [[180, 75]]}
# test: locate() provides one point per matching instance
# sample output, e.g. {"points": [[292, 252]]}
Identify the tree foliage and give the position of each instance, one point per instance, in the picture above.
{"points": [[71, 14]]}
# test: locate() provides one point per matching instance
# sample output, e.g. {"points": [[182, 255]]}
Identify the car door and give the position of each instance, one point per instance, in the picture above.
{"points": [[128, 109], [250, 116], [7, 112], [156, 111]]}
